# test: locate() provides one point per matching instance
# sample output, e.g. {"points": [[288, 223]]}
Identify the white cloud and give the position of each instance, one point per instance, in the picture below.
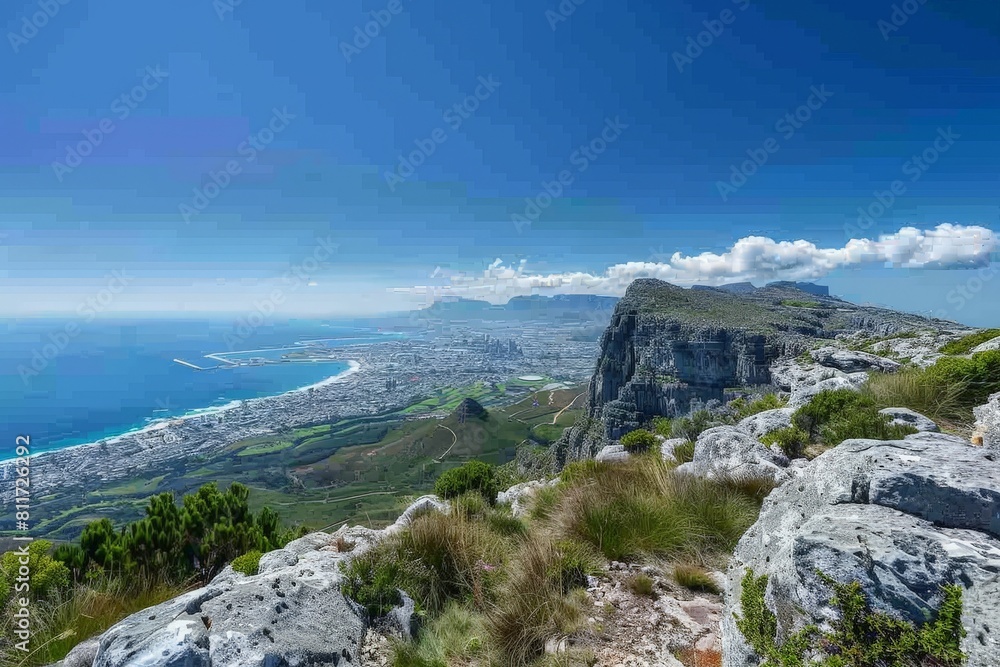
{"points": [[753, 258]]}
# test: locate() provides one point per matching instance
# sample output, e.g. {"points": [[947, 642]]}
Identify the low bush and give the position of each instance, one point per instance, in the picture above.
{"points": [[695, 578], [691, 427], [663, 426], [833, 416], [248, 563], [638, 441], [860, 637], [372, 580], [744, 409], [792, 441], [471, 476], [965, 344]]}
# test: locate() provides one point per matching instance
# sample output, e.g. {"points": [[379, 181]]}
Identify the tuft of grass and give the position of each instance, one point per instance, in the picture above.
{"points": [[642, 508], [914, 389], [695, 578], [965, 344], [684, 452], [663, 426], [641, 584], [458, 635], [533, 605], [693, 426]]}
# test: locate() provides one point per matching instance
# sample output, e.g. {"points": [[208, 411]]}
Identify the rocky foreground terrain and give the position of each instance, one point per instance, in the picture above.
{"points": [[903, 518]]}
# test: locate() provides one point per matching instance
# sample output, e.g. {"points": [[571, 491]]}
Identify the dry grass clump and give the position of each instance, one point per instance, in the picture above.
{"points": [[695, 578]]}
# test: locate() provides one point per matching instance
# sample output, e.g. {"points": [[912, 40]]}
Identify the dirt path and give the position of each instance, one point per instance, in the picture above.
{"points": [[454, 440]]}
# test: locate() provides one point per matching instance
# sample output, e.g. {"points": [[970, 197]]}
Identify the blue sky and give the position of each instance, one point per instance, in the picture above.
{"points": [[202, 80]]}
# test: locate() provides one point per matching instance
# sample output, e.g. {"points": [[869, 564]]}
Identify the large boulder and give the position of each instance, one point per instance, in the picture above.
{"points": [[729, 451], [290, 613], [851, 361], [767, 421], [907, 417], [988, 424], [294, 614], [612, 453], [902, 518]]}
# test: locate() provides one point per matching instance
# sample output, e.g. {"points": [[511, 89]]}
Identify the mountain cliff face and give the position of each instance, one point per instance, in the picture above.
{"points": [[667, 346]]}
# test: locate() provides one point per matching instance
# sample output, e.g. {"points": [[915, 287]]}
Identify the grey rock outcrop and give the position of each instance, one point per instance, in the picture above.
{"points": [[992, 344], [851, 361], [907, 417], [767, 421], [731, 452], [612, 453], [291, 613], [901, 517], [667, 447], [988, 423]]}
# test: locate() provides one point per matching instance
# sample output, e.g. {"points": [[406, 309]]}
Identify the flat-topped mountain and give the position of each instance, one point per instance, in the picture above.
{"points": [[666, 346]]}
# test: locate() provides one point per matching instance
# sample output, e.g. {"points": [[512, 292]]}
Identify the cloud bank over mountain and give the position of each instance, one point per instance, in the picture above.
{"points": [[752, 258]]}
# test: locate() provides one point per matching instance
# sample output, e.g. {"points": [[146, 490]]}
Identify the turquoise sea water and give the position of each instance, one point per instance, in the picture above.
{"points": [[109, 377]]}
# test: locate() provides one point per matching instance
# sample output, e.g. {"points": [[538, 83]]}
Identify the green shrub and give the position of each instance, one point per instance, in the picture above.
{"points": [[248, 563], [842, 414], [860, 637], [744, 409], [965, 344], [49, 577], [796, 303], [792, 440], [979, 376], [695, 578], [663, 426], [638, 441], [691, 427], [471, 476]]}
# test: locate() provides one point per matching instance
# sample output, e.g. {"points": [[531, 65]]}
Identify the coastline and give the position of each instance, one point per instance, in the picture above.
{"points": [[160, 423]]}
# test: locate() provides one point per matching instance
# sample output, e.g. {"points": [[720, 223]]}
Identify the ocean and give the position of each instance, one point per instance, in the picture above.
{"points": [[68, 384]]}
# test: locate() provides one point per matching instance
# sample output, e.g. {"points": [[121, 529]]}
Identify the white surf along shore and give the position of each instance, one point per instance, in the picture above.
{"points": [[161, 423]]}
